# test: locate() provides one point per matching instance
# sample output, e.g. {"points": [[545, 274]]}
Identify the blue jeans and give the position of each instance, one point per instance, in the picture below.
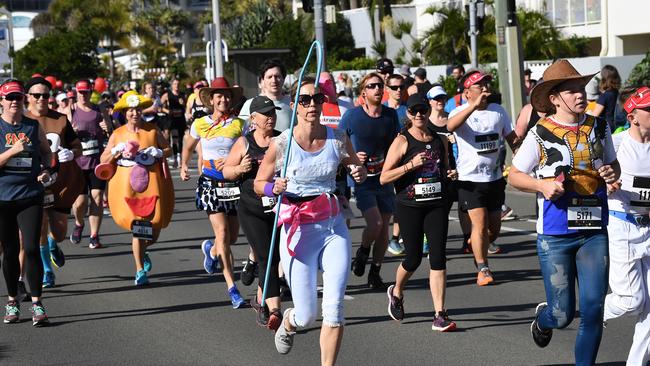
{"points": [[561, 258]]}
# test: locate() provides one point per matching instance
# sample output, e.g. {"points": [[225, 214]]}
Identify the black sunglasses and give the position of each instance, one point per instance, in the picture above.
{"points": [[305, 99], [14, 97], [396, 87], [419, 108], [375, 86], [40, 95]]}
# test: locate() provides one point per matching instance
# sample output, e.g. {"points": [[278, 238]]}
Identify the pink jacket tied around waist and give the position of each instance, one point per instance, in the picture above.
{"points": [[319, 209]]}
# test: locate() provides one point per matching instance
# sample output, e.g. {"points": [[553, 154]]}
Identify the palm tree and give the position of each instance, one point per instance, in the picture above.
{"points": [[446, 42]]}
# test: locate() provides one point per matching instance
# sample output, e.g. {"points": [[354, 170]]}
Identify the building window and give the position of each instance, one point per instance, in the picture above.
{"points": [[574, 12]]}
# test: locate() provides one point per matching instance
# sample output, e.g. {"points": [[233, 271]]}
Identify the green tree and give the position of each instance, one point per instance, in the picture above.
{"points": [[252, 28], [640, 74], [66, 55]]}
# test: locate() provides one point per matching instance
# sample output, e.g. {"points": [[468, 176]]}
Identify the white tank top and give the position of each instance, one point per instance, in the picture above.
{"points": [[311, 173], [634, 158]]}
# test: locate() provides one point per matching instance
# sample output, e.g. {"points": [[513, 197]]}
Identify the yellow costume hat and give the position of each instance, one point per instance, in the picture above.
{"points": [[132, 99]]}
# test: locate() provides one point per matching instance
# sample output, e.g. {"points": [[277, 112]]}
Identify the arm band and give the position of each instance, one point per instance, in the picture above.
{"points": [[268, 189]]}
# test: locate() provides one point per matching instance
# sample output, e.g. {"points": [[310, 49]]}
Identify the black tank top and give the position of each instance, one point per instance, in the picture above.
{"points": [[198, 111], [248, 196], [425, 185], [532, 121], [175, 106]]}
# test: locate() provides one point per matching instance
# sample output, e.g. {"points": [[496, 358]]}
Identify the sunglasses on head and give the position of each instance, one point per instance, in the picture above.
{"points": [[40, 95], [396, 87], [305, 99], [375, 86], [419, 108], [14, 97]]}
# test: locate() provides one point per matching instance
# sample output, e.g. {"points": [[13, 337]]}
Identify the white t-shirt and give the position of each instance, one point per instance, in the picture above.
{"points": [[634, 158], [284, 114], [479, 141]]}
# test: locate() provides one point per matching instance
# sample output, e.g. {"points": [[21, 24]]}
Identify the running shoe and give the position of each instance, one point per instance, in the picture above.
{"points": [[75, 237], [374, 279], [141, 278], [12, 312], [275, 319], [146, 265], [248, 272], [359, 262], [507, 213], [262, 312], [209, 264], [283, 337], [425, 245], [23, 295], [39, 318], [484, 277], [48, 279], [395, 248], [494, 249], [395, 305], [442, 323], [235, 297], [94, 242], [56, 254], [541, 337]]}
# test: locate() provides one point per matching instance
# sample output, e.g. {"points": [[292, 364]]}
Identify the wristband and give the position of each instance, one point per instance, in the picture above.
{"points": [[268, 189]]}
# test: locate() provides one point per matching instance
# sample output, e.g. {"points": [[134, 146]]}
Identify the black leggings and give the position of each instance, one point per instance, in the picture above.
{"points": [[24, 215], [258, 228], [413, 222]]}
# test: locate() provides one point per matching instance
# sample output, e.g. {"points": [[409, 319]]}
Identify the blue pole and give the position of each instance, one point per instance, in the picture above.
{"points": [[319, 59]]}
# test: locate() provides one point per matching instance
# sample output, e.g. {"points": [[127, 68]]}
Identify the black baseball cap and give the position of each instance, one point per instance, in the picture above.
{"points": [[37, 80], [385, 65], [262, 104], [417, 99]]}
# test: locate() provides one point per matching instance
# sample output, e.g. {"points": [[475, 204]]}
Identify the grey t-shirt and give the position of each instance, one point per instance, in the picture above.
{"points": [[284, 114]]}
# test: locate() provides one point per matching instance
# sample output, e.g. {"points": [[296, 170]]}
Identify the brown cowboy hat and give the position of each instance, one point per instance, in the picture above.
{"points": [[554, 75], [220, 84]]}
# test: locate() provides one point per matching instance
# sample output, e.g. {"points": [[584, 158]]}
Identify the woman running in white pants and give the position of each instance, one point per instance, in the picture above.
{"points": [[313, 235]]}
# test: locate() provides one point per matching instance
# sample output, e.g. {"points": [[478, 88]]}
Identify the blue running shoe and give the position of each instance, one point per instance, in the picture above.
{"points": [[235, 298], [48, 279], [141, 278], [395, 248], [147, 262], [209, 263], [425, 245]]}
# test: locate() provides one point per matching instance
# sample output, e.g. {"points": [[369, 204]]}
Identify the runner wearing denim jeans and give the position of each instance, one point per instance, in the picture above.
{"points": [[573, 158], [629, 225], [313, 234]]}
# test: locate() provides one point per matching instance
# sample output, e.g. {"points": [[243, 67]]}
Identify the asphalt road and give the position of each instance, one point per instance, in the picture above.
{"points": [[185, 318]]}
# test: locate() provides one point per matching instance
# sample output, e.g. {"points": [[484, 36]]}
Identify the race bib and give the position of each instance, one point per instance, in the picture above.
{"points": [[640, 192], [19, 164], [427, 189], [90, 147], [227, 191], [268, 203], [142, 230], [584, 214], [374, 165], [486, 144]]}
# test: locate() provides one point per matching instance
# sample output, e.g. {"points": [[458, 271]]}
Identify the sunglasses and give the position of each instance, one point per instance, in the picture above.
{"points": [[420, 108], [396, 87], [14, 97], [305, 99], [375, 86], [40, 95]]}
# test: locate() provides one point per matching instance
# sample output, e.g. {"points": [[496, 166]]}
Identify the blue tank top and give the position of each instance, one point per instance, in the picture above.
{"points": [[18, 176]]}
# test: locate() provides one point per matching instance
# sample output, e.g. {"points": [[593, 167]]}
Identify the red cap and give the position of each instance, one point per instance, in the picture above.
{"points": [[83, 86], [11, 87], [474, 78], [640, 99], [71, 94]]}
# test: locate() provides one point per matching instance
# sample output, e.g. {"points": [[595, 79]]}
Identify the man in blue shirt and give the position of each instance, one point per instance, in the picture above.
{"points": [[372, 128], [395, 85]]}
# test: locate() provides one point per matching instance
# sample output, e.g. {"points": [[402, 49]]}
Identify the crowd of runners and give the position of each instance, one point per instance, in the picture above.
{"points": [[401, 148]]}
